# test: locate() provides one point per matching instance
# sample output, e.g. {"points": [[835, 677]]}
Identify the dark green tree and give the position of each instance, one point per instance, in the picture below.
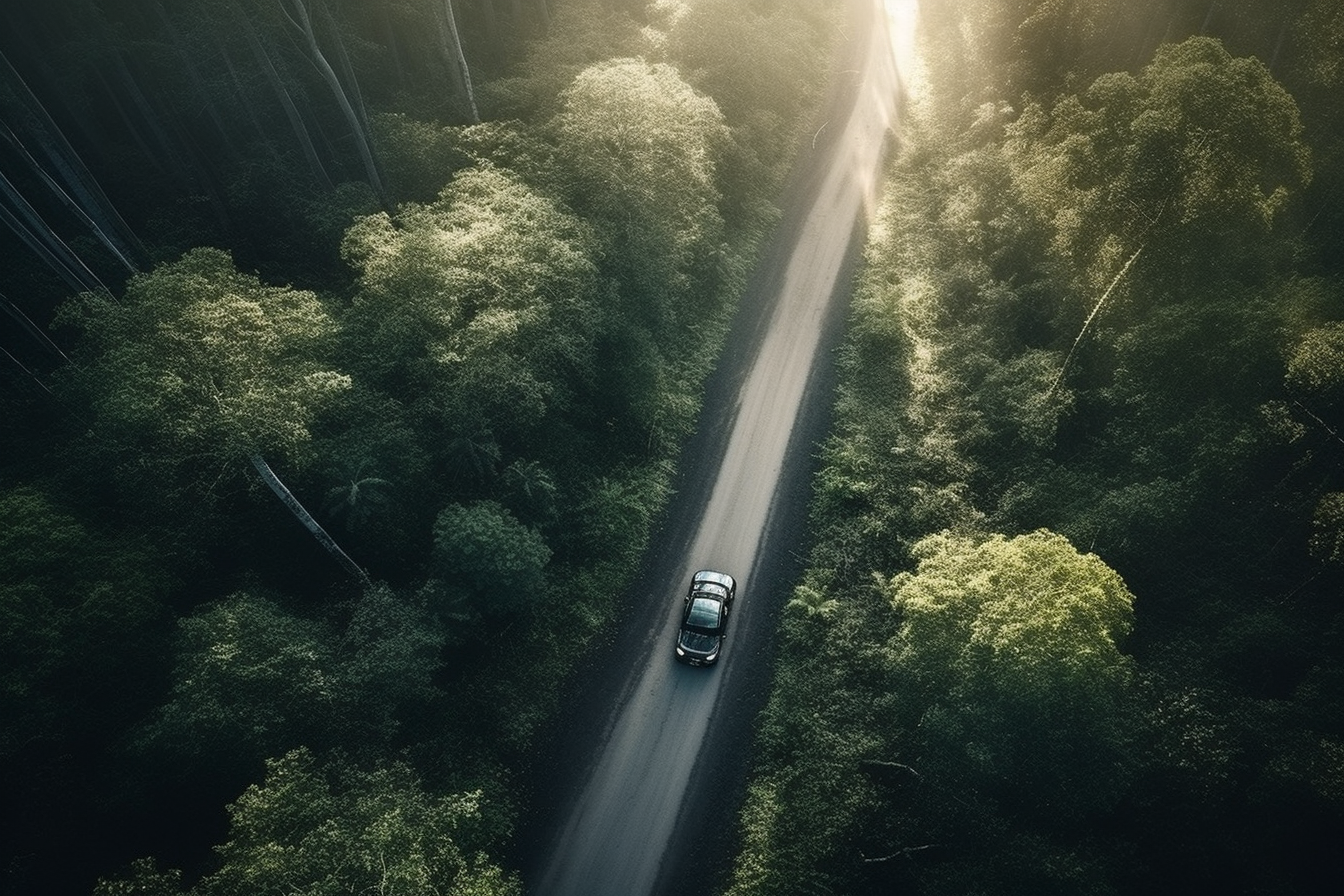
{"points": [[251, 681], [482, 549]]}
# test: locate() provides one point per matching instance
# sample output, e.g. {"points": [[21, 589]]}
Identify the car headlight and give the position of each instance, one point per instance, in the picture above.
{"points": [[680, 652]]}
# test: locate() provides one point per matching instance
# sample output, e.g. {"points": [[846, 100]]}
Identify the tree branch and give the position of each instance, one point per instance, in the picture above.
{"points": [[1334, 434], [902, 852], [881, 763], [1087, 323]]}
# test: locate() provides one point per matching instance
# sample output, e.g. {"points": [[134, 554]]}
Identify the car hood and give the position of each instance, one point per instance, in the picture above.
{"points": [[698, 642]]}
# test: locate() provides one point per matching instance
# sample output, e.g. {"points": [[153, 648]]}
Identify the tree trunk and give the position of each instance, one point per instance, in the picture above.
{"points": [[32, 329], [35, 233], [287, 103], [65, 198], [304, 23], [303, 516], [457, 60], [1087, 323], [347, 70], [66, 163], [222, 131]]}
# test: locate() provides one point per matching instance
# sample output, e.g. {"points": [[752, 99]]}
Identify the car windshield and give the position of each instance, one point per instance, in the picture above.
{"points": [[704, 613]]}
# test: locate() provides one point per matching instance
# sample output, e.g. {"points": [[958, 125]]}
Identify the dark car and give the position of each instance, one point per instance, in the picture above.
{"points": [[704, 617]]}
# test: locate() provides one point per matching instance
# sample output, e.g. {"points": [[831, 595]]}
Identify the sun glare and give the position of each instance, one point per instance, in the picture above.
{"points": [[902, 26]]}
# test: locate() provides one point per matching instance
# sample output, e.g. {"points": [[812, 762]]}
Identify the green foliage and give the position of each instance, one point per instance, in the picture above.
{"points": [[812, 602], [763, 64], [209, 363], [520, 346], [623, 500], [334, 828], [1010, 651], [1196, 157], [142, 878], [253, 680], [1091, 303], [581, 33], [641, 147], [484, 549], [813, 812], [77, 611], [1316, 366], [485, 298], [1327, 540]]}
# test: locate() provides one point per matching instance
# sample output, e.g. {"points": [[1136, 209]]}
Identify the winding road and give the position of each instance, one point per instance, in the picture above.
{"points": [[640, 795]]}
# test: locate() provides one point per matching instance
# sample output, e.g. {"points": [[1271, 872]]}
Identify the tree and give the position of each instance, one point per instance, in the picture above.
{"points": [[80, 625], [1010, 648], [1197, 157], [358, 497], [251, 680], [353, 110], [386, 660], [485, 299], [457, 60], [203, 366], [483, 549], [641, 148], [812, 602], [1316, 366], [330, 827]]}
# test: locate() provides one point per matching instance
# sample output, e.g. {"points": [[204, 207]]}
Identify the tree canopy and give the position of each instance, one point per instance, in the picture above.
{"points": [[487, 297], [209, 362]]}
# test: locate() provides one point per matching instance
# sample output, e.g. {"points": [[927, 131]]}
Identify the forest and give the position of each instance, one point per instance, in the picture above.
{"points": [[344, 342], [1071, 623], [348, 348]]}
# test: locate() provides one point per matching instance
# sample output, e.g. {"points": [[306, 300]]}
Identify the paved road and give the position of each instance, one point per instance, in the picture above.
{"points": [[634, 824]]}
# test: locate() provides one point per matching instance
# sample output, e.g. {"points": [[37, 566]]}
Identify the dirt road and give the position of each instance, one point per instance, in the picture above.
{"points": [[656, 750]]}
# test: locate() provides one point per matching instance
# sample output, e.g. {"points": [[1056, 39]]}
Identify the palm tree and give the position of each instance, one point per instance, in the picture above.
{"points": [[812, 602], [357, 499]]}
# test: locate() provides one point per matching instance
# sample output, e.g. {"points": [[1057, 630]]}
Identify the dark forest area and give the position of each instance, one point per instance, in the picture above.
{"points": [[347, 351], [1072, 623]]}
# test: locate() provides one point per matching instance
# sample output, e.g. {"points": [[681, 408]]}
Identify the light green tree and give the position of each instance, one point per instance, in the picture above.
{"points": [[641, 148], [1011, 651], [485, 298], [210, 360], [333, 828], [201, 367], [329, 827]]}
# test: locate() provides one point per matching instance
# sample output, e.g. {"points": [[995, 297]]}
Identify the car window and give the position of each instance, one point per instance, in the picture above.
{"points": [[704, 612]]}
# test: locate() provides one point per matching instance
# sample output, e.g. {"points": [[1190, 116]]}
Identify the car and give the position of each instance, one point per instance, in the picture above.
{"points": [[704, 617]]}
